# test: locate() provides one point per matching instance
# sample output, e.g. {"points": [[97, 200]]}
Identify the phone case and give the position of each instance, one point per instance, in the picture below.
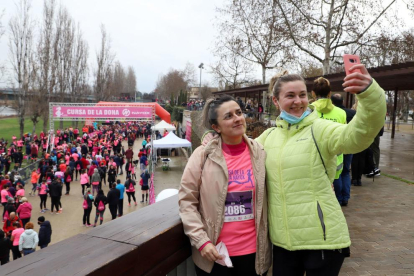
{"points": [[349, 61]]}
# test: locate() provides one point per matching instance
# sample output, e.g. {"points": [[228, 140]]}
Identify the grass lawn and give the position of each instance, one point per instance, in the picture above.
{"points": [[10, 127]]}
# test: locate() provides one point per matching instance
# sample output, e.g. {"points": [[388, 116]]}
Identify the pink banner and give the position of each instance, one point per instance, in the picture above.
{"points": [[101, 112], [188, 131], [152, 191]]}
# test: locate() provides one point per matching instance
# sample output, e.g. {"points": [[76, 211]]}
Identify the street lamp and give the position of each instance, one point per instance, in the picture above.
{"points": [[201, 67]]}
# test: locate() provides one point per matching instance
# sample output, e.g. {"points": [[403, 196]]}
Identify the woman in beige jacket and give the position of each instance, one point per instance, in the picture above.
{"points": [[223, 197]]}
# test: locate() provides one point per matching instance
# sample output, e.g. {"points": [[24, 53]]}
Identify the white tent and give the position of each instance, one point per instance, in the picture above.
{"points": [[171, 141], [163, 125]]}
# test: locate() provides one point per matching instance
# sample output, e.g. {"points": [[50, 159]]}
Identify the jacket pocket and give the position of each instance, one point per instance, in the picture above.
{"points": [[321, 219]]}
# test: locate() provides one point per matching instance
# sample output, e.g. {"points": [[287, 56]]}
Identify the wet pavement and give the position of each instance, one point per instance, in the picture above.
{"points": [[380, 214], [397, 155]]}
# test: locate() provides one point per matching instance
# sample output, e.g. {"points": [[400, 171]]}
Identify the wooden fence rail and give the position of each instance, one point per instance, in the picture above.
{"points": [[149, 241]]}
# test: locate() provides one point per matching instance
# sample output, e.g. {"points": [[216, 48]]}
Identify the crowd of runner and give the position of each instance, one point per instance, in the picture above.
{"points": [[93, 155]]}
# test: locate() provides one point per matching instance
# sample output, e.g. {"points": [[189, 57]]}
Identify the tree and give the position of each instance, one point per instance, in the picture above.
{"points": [[64, 42], [103, 84], [205, 91], [130, 85], [46, 65], [78, 86], [252, 30], [321, 29], [391, 48], [170, 85], [119, 79], [21, 49], [2, 31], [231, 71]]}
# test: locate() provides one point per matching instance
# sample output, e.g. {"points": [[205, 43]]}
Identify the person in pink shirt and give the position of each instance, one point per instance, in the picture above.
{"points": [[43, 190], [75, 156], [20, 192], [25, 211], [84, 180], [222, 198], [15, 238], [4, 194]]}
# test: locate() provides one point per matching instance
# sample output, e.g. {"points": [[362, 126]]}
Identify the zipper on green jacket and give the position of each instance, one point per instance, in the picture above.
{"points": [[282, 187], [320, 214]]}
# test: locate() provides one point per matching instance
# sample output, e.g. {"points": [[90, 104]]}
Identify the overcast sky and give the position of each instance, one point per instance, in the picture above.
{"points": [[150, 35]]}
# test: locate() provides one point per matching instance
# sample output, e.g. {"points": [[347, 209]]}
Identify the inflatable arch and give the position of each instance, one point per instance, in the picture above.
{"points": [[161, 112]]}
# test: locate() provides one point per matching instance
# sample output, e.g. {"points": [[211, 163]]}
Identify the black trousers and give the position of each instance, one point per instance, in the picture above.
{"points": [[358, 165], [55, 203], [112, 209], [120, 207], [16, 252], [131, 194], [86, 216], [242, 265], [313, 262]]}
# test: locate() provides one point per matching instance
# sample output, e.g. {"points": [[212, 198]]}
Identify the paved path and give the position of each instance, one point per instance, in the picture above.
{"points": [[380, 215]]}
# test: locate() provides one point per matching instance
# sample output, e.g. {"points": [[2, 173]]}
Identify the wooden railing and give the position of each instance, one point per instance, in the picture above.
{"points": [[149, 241]]}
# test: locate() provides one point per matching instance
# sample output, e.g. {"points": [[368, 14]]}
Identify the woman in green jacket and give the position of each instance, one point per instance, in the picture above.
{"points": [[306, 224]]}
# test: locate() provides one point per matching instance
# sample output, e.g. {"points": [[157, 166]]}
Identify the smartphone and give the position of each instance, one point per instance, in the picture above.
{"points": [[349, 61]]}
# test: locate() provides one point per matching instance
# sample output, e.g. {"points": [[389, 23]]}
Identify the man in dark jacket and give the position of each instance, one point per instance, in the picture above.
{"points": [[117, 160], [113, 199], [5, 247], [55, 191], [18, 159], [338, 101], [45, 232], [84, 149]]}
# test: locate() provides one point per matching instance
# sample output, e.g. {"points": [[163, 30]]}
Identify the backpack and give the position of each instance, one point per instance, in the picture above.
{"points": [[68, 178], [101, 206], [85, 204], [78, 167], [131, 187]]}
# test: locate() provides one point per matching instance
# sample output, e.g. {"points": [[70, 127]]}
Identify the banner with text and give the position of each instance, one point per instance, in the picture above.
{"points": [[101, 112]]}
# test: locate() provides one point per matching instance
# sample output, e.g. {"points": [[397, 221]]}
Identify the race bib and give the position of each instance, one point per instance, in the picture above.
{"points": [[239, 206]]}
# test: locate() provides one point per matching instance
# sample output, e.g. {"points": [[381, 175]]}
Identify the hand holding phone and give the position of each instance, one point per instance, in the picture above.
{"points": [[357, 77], [349, 61]]}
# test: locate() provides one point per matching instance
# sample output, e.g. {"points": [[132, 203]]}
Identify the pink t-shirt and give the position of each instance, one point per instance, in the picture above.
{"points": [[43, 189], [239, 232], [4, 193], [20, 193], [75, 156], [16, 234]]}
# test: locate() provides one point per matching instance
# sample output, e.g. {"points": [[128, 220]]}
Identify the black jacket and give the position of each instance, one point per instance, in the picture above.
{"points": [[84, 150], [113, 196], [5, 246], [55, 189], [45, 233], [111, 175], [350, 113]]}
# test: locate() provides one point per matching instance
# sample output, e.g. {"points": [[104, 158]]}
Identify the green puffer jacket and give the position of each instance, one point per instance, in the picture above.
{"points": [[326, 110], [303, 210]]}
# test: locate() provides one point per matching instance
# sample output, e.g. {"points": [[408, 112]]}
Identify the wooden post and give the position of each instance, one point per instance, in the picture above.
{"points": [[394, 113]]}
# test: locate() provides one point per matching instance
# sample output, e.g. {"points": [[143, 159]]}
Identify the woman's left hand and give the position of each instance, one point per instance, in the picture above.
{"points": [[357, 82]]}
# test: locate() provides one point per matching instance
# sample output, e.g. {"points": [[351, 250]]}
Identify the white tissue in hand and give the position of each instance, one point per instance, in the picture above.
{"points": [[222, 250]]}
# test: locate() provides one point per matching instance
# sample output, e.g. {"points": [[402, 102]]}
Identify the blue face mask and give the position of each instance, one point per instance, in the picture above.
{"points": [[292, 119]]}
